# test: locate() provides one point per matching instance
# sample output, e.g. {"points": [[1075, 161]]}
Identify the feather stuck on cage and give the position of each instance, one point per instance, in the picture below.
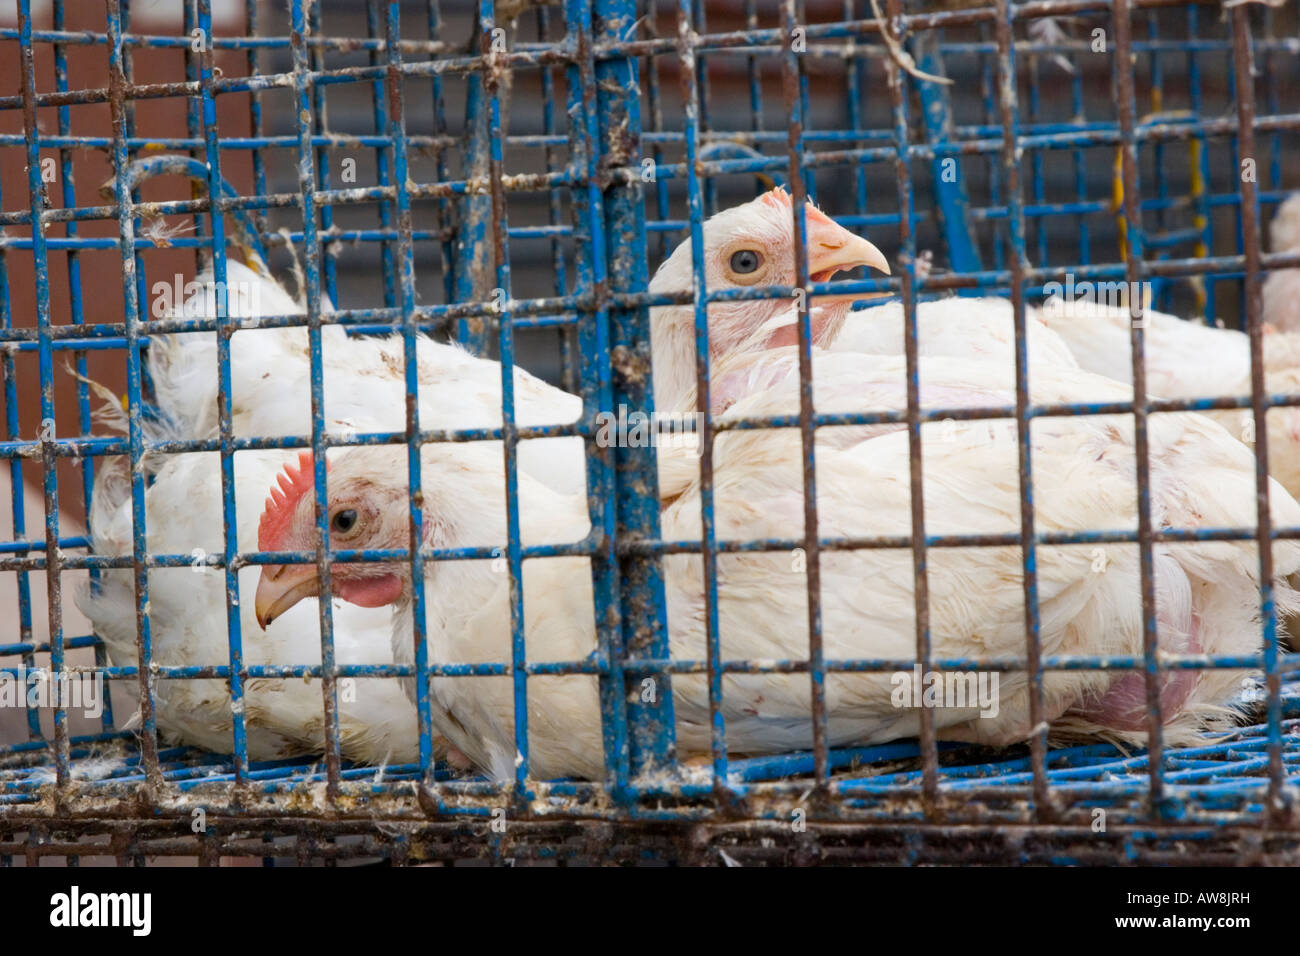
{"points": [[161, 234]]}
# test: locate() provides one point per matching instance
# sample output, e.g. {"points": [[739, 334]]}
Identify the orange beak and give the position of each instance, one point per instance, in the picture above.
{"points": [[832, 249], [280, 587]]}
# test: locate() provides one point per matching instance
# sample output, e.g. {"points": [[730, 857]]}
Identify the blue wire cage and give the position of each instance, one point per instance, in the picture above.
{"points": [[560, 161]]}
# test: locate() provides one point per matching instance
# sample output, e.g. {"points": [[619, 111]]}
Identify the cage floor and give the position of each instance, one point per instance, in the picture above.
{"points": [[1223, 764]]}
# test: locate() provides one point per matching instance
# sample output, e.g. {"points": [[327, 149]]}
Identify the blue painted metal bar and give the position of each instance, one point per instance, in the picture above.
{"points": [[312, 257], [256, 125], [382, 160], [194, 106], [656, 137], [225, 329], [1243, 65], [735, 43], [708, 523], [433, 23], [498, 254], [1084, 254], [1009, 112], [700, 63], [75, 300], [569, 371], [1037, 185], [472, 268], [122, 191], [18, 507], [898, 88], [316, 64], [951, 198], [796, 102], [627, 501], [594, 376], [405, 274], [38, 200], [1133, 253]]}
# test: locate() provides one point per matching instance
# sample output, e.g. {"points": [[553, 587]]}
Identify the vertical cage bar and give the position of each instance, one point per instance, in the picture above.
{"points": [[1038, 187], [687, 39], [656, 151], [951, 200], [320, 121], [18, 496], [555, 215], [699, 14], [68, 186], [1133, 254], [992, 161], [753, 68], [312, 259], [493, 70], [792, 87], [916, 473], [1009, 115], [118, 88], [225, 329], [380, 108], [38, 199], [433, 24], [1243, 66], [395, 104], [256, 128], [473, 277], [635, 485], [593, 372], [1200, 160], [1080, 165], [193, 106]]}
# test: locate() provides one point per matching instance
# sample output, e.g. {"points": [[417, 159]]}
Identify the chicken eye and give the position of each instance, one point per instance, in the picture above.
{"points": [[343, 521], [745, 261]]}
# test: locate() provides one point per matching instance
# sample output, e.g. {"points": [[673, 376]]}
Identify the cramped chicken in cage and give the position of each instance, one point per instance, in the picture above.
{"points": [[654, 422]]}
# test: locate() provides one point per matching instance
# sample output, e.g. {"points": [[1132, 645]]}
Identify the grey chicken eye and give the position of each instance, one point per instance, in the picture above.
{"points": [[343, 521], [745, 261]]}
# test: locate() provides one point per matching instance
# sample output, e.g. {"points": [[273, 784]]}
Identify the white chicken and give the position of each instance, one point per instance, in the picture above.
{"points": [[364, 391], [745, 246], [753, 244], [1281, 293], [270, 372], [955, 327], [1207, 591], [1191, 360]]}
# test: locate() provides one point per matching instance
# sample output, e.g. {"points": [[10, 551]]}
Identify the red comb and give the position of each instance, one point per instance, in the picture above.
{"points": [[277, 514], [778, 198]]}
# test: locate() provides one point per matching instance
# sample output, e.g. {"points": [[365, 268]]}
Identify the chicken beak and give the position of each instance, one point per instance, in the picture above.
{"points": [[832, 248], [280, 587], [854, 252]]}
